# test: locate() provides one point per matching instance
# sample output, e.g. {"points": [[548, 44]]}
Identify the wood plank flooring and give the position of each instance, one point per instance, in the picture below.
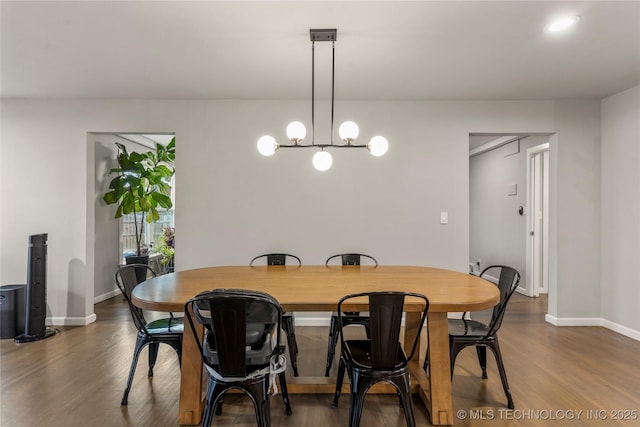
{"points": [[77, 377]]}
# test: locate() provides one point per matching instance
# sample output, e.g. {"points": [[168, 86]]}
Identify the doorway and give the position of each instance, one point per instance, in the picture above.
{"points": [[500, 206], [105, 251]]}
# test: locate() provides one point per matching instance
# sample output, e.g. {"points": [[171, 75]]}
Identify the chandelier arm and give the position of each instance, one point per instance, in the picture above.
{"points": [[330, 145]]}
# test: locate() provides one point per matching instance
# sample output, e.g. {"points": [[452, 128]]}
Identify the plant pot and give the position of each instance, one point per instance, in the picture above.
{"points": [[141, 274]]}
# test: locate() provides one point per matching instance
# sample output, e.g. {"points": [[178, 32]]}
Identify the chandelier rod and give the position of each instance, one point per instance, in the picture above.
{"points": [[313, 92], [333, 73]]}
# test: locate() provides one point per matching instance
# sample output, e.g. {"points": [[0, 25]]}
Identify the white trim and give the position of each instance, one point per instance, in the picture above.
{"points": [[491, 278], [104, 297], [326, 320], [573, 321], [70, 321], [593, 321], [526, 282], [496, 143], [313, 321], [622, 330]]}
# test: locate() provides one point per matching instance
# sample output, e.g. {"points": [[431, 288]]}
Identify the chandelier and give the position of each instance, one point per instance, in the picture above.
{"points": [[348, 131]]}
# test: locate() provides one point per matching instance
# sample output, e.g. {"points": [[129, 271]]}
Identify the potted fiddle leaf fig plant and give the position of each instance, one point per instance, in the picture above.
{"points": [[141, 186]]}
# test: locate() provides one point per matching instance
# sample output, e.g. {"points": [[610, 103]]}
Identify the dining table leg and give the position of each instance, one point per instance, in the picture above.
{"points": [[190, 405], [440, 389]]}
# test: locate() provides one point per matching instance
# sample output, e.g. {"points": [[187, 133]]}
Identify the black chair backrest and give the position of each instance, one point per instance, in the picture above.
{"points": [[351, 258], [276, 259], [385, 310], [507, 283], [127, 278], [225, 314]]}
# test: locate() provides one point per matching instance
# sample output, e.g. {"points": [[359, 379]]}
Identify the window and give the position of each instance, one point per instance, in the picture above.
{"points": [[150, 235]]}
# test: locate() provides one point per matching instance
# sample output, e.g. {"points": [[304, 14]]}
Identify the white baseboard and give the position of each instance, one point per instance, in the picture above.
{"points": [[313, 321], [303, 320], [106, 296], [593, 321], [622, 330], [70, 321]]}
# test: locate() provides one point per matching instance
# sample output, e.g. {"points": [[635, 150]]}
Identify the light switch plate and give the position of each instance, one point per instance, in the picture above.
{"points": [[444, 217]]}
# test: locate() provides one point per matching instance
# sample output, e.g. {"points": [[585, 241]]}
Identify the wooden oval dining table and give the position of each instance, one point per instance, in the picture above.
{"points": [[318, 289]]}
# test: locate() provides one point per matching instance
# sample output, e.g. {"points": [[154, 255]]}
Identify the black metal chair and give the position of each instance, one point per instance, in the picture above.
{"points": [[162, 331], [467, 332], [380, 358], [288, 319], [351, 317], [240, 348]]}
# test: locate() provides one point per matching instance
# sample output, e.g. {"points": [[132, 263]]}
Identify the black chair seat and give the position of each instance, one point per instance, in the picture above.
{"points": [[166, 326], [468, 328], [361, 354]]}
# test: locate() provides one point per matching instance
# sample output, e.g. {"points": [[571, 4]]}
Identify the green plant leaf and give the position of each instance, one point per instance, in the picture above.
{"points": [[110, 198], [153, 215], [144, 204], [162, 200], [164, 171]]}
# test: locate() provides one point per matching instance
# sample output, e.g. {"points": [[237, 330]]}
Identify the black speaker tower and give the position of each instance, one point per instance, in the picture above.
{"points": [[36, 309]]}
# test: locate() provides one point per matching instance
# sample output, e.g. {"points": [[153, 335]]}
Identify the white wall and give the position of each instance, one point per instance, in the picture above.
{"points": [[497, 230], [621, 209], [232, 203], [574, 258]]}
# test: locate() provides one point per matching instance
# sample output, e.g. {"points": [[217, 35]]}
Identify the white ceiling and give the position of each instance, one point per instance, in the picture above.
{"points": [[261, 50]]}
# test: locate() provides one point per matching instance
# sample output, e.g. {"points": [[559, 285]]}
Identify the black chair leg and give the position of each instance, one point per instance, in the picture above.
{"points": [[207, 416], [495, 347], [285, 393], [454, 349], [425, 365], [482, 358], [140, 343], [177, 346], [339, 380], [358, 393], [289, 329], [331, 346], [153, 356], [367, 330], [259, 393], [406, 401], [218, 408]]}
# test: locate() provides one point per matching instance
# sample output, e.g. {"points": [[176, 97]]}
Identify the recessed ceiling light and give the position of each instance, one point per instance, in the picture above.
{"points": [[562, 24]]}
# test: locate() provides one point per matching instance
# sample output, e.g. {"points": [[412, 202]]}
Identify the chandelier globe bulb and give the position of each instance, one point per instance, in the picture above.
{"points": [[267, 145], [322, 160], [348, 131], [378, 146], [296, 131]]}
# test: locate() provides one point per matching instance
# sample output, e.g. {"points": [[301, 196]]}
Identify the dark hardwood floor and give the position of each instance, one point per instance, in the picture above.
{"points": [[564, 376]]}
